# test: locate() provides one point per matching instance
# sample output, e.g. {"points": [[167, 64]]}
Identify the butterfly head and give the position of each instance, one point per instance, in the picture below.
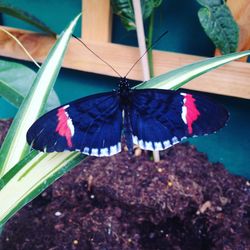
{"points": [[124, 88]]}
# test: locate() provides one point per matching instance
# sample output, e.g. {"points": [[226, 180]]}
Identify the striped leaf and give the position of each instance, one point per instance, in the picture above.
{"points": [[175, 79], [15, 147]]}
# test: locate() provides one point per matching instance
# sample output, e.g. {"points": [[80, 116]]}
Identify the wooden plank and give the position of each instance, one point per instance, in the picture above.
{"points": [[231, 79], [241, 12], [96, 20]]}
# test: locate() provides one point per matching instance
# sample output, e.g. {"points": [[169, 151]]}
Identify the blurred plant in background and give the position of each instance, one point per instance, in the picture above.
{"points": [[218, 23], [124, 9], [215, 18]]}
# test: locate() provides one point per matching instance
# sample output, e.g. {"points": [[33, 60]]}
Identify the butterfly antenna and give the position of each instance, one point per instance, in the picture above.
{"points": [[149, 48], [87, 47]]}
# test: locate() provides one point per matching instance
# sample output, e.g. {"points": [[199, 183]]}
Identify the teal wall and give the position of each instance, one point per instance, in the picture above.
{"points": [[230, 146]]}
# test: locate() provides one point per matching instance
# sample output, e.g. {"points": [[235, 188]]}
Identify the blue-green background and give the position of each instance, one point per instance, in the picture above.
{"points": [[229, 146]]}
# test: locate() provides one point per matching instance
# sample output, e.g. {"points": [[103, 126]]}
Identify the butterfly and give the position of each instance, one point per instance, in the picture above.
{"points": [[153, 119]]}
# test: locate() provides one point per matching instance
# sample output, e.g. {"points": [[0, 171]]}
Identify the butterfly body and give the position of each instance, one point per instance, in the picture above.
{"points": [[154, 119], [124, 92]]}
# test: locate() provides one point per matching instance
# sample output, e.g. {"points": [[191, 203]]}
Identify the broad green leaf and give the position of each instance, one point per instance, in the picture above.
{"points": [[124, 9], [148, 6], [178, 77], [15, 82], [218, 23], [15, 147], [20, 14], [30, 177]]}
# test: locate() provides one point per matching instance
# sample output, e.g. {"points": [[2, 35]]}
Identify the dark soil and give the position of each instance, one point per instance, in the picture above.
{"points": [[122, 202]]}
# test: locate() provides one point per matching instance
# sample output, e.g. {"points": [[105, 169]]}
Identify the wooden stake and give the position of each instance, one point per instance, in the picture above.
{"points": [[96, 20]]}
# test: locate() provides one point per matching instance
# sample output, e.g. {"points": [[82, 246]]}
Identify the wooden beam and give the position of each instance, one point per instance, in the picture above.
{"points": [[96, 20], [231, 79]]}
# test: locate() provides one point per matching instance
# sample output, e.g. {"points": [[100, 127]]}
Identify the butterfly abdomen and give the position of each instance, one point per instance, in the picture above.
{"points": [[128, 130]]}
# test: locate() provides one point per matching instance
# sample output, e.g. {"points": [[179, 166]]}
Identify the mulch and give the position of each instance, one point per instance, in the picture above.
{"points": [[131, 203]]}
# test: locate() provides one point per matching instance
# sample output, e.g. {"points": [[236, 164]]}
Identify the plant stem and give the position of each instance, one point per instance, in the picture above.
{"points": [[149, 43]]}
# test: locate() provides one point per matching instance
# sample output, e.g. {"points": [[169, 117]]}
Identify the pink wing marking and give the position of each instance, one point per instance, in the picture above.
{"points": [[190, 111], [65, 127]]}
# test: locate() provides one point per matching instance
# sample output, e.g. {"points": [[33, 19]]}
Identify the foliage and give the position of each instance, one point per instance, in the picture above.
{"points": [[15, 82], [124, 9], [215, 18], [24, 175], [22, 15], [218, 23]]}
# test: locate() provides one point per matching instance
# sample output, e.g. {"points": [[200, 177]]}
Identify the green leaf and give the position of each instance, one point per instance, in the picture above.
{"points": [[219, 25], [210, 2], [15, 82], [37, 171], [30, 177], [15, 147], [178, 77], [124, 9], [149, 6], [20, 14]]}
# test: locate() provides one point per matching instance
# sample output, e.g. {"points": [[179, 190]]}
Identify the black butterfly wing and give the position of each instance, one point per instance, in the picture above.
{"points": [[161, 118], [91, 125]]}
